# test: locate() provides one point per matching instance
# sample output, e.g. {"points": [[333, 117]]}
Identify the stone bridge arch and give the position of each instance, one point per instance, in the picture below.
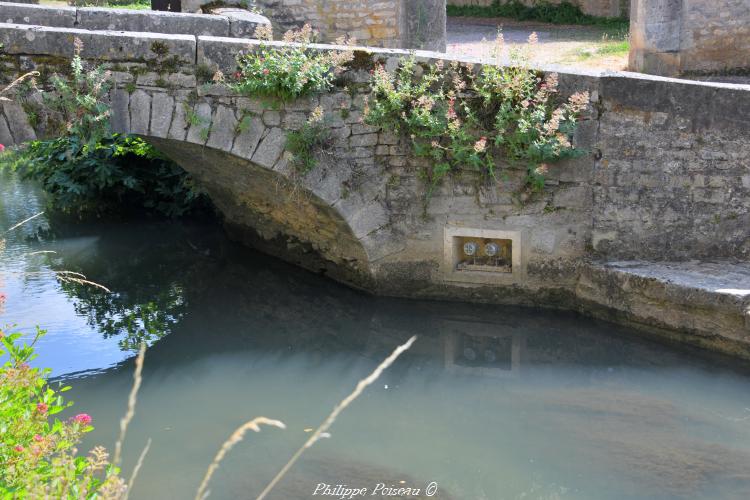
{"points": [[362, 219], [234, 147]]}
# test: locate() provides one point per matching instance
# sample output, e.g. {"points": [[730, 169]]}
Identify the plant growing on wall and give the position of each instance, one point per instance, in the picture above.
{"points": [[287, 71], [80, 101], [458, 119], [88, 169], [303, 143]]}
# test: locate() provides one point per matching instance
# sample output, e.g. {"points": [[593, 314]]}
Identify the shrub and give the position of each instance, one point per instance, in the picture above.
{"points": [[460, 120], [116, 171], [37, 451], [290, 71]]}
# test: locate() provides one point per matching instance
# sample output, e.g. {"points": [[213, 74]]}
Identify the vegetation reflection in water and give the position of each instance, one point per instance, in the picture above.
{"points": [[489, 403]]}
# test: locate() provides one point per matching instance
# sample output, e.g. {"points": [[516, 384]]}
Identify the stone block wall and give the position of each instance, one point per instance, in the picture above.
{"points": [[715, 35], [664, 177], [600, 8], [673, 37], [413, 24], [673, 181]]}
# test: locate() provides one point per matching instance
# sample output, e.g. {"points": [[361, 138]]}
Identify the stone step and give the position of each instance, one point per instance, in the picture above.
{"points": [[703, 303]]}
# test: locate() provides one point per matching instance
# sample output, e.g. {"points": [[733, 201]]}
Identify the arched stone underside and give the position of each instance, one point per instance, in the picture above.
{"points": [[274, 212]]}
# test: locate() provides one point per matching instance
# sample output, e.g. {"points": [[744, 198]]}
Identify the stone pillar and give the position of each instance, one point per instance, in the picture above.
{"points": [[655, 31], [673, 37], [423, 25]]}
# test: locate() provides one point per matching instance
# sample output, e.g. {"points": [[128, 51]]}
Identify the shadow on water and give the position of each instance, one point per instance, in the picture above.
{"points": [[491, 402], [248, 334]]}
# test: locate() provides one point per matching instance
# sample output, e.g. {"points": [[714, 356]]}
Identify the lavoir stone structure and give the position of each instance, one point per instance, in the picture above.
{"points": [[648, 228]]}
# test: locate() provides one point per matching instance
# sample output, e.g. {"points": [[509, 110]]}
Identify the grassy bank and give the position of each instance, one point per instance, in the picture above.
{"points": [[563, 13]]}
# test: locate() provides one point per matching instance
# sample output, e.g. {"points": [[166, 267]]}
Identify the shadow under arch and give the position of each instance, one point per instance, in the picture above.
{"points": [[267, 210]]}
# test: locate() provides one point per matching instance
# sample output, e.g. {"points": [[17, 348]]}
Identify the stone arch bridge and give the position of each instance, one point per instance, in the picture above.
{"points": [[618, 232]]}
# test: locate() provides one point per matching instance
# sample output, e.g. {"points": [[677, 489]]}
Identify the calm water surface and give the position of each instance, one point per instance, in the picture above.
{"points": [[490, 403]]}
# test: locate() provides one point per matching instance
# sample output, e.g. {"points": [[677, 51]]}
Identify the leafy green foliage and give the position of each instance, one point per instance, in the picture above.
{"points": [[288, 71], [562, 13], [460, 120], [115, 172], [37, 451]]}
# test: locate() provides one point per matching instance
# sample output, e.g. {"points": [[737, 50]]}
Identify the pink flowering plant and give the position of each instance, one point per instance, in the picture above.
{"points": [[289, 70], [38, 457], [504, 115]]}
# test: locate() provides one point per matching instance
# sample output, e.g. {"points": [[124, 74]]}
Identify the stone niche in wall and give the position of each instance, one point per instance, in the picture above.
{"points": [[475, 255]]}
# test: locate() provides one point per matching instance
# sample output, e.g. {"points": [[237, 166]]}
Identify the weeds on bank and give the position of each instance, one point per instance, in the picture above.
{"points": [[455, 118], [302, 144], [38, 455], [547, 12], [88, 169], [607, 47]]}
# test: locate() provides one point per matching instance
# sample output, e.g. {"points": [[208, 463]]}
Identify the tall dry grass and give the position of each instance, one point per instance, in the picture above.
{"points": [[328, 422]]}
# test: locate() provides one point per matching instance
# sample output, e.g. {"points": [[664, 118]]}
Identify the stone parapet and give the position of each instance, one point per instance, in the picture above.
{"points": [[22, 39], [147, 21]]}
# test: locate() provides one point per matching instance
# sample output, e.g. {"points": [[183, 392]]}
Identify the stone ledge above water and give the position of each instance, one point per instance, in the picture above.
{"points": [[708, 302]]}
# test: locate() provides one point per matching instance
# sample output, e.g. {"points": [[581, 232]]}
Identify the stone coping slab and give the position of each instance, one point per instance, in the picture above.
{"points": [[242, 22], [41, 15], [106, 19], [723, 278], [23, 39]]}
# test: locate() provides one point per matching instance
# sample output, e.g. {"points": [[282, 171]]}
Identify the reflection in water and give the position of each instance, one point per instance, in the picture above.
{"points": [[491, 402]]}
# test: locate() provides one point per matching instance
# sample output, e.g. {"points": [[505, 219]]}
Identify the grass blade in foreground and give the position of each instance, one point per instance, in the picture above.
{"points": [[361, 385], [235, 438]]}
